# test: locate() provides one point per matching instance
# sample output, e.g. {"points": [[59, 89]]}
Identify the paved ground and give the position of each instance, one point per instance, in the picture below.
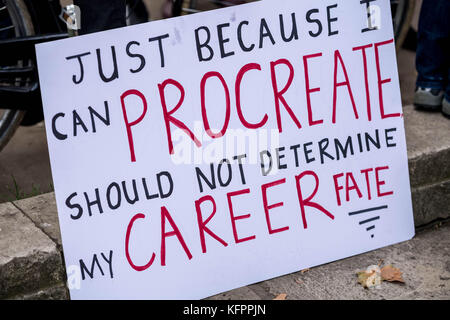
{"points": [[24, 165], [424, 262]]}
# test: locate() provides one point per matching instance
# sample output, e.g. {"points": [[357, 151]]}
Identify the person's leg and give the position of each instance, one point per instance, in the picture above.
{"points": [[431, 54], [100, 15]]}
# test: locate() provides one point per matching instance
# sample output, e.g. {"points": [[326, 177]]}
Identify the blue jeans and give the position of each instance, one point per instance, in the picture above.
{"points": [[433, 47]]}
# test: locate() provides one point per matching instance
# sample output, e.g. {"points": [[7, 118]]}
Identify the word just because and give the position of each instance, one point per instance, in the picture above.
{"points": [[342, 89]]}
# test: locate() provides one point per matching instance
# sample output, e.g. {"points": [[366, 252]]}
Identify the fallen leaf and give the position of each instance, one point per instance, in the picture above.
{"points": [[391, 274], [371, 277], [281, 297], [304, 271], [298, 281], [362, 277]]}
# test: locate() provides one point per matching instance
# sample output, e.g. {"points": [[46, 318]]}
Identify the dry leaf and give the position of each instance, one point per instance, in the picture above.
{"points": [[371, 277], [281, 297], [391, 274], [304, 271]]}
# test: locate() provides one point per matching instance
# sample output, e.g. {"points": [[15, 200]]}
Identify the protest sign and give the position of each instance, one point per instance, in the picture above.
{"points": [[194, 155]]}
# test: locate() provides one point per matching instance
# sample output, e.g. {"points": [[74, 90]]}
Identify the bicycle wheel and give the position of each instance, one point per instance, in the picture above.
{"points": [[15, 21]]}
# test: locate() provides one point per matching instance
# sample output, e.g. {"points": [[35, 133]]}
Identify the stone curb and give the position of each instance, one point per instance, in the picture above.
{"points": [[428, 142], [29, 260], [431, 203]]}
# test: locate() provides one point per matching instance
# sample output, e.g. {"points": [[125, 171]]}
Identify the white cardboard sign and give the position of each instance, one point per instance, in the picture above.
{"points": [[195, 155]]}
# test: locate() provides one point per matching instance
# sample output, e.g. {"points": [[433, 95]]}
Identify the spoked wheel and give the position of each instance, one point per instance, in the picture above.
{"points": [[15, 21]]}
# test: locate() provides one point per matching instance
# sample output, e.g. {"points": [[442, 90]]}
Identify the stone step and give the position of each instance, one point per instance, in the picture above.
{"points": [[428, 143], [29, 260]]}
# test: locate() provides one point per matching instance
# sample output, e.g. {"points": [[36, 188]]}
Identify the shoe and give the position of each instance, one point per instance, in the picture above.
{"points": [[428, 99], [446, 108]]}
